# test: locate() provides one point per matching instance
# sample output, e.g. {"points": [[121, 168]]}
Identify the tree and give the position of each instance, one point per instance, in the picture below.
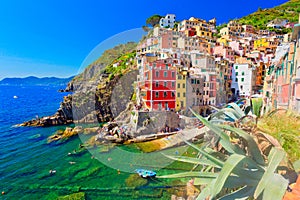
{"points": [[259, 9], [146, 28], [153, 20]]}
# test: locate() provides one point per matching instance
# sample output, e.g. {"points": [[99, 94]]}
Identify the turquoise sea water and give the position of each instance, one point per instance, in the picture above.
{"points": [[26, 158]]}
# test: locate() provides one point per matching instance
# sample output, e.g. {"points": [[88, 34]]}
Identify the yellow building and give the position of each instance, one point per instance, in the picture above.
{"points": [[181, 90], [203, 28], [262, 42], [223, 41], [203, 31]]}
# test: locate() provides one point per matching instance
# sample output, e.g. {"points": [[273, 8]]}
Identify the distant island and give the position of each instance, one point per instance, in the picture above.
{"points": [[32, 81]]}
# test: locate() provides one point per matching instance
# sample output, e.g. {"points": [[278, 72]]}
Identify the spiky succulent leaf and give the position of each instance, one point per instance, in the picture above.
{"points": [[275, 157], [276, 188], [225, 140], [227, 169], [237, 109], [213, 159], [252, 145], [190, 174], [197, 161], [240, 194]]}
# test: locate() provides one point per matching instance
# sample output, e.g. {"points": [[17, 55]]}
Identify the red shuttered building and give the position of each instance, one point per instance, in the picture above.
{"points": [[159, 85]]}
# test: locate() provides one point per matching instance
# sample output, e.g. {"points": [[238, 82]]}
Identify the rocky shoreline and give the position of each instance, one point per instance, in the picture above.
{"points": [[63, 116]]}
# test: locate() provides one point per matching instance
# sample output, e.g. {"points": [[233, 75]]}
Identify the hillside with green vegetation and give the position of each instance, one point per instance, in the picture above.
{"points": [[107, 58], [259, 19]]}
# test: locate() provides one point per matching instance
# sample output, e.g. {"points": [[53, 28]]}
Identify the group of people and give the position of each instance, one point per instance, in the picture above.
{"points": [[113, 130]]}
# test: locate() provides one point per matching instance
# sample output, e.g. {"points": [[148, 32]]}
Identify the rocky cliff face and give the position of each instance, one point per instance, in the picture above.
{"points": [[99, 94], [62, 116]]}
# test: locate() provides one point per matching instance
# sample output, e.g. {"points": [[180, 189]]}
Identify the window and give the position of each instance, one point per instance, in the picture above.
{"points": [[178, 85], [173, 84], [179, 77], [156, 84], [173, 94], [181, 104], [165, 94], [236, 79], [198, 81], [236, 67], [165, 74], [156, 94], [178, 94], [184, 94], [167, 67], [243, 73], [157, 74], [236, 73], [183, 85], [166, 106], [242, 79], [173, 74], [192, 81], [165, 84]]}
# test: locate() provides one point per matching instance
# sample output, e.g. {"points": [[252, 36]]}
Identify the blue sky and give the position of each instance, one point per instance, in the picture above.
{"points": [[53, 37]]}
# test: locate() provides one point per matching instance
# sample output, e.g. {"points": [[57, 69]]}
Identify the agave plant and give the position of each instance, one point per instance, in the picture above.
{"points": [[231, 112], [236, 173]]}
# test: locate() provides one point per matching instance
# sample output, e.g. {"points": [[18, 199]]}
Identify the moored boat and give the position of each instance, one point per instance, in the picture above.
{"points": [[145, 173]]}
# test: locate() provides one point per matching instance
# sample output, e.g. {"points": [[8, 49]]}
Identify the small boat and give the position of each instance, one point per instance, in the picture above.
{"points": [[15, 97], [145, 173]]}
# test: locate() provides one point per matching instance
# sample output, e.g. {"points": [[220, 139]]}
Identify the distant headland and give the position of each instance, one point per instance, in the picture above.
{"points": [[35, 81]]}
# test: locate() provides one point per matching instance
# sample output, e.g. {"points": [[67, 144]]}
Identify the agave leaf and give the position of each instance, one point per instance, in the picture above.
{"points": [[237, 109], [275, 157], [248, 174], [216, 115], [237, 182], [217, 121], [228, 112], [207, 191], [276, 188], [215, 160], [190, 174], [296, 165], [240, 194], [232, 113], [216, 154], [203, 180], [227, 169], [225, 141], [253, 147], [197, 161], [207, 169], [256, 106], [247, 110]]}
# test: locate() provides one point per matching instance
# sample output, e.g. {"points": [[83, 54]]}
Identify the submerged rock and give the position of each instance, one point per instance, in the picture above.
{"points": [[77, 196], [135, 181]]}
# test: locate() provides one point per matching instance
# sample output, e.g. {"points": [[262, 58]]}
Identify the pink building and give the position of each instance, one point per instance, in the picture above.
{"points": [[224, 51], [237, 48]]}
